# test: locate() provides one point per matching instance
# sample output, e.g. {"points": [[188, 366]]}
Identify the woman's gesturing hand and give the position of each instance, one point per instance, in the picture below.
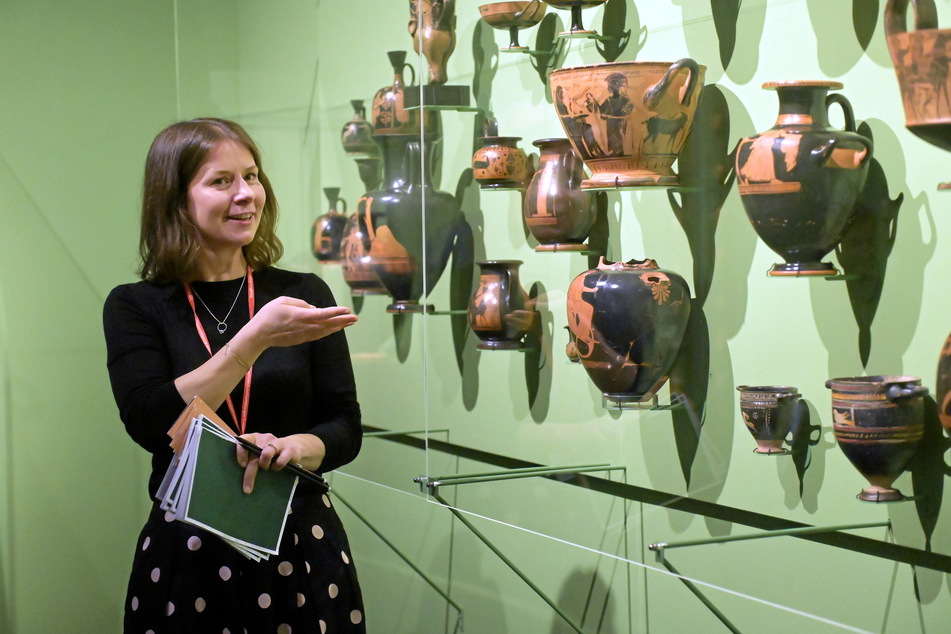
{"points": [[287, 321]]}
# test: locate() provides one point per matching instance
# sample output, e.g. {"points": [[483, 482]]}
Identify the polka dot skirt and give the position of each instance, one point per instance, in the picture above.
{"points": [[188, 580]]}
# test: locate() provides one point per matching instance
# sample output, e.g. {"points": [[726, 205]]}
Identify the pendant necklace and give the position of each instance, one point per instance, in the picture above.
{"points": [[222, 326]]}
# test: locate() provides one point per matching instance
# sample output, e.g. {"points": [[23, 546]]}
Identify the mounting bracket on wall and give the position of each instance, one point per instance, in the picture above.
{"points": [[433, 484], [661, 547]]}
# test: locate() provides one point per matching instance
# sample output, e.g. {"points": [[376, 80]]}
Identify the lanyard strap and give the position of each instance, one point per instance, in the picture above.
{"points": [[242, 423]]}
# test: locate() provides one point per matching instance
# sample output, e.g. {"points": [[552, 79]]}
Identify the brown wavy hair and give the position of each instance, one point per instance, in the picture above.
{"points": [[169, 240]]}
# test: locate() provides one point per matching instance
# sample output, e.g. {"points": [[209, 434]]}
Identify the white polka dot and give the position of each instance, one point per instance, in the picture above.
{"points": [[200, 605], [332, 590], [343, 556], [323, 627], [283, 628], [149, 631], [356, 616], [317, 531], [169, 608], [169, 516], [264, 601], [135, 603], [285, 568], [307, 565], [300, 600], [226, 631], [156, 574], [225, 573], [295, 539], [194, 542], [326, 500], [146, 542]]}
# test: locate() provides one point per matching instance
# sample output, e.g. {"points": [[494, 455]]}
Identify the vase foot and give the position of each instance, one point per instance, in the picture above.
{"points": [[803, 269], [402, 307], [770, 451], [637, 178], [880, 494], [561, 246], [500, 345]]}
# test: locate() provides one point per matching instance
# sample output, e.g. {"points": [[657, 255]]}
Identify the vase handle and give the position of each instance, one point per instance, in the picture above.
{"points": [[529, 9], [654, 93], [926, 16], [846, 106], [898, 391]]}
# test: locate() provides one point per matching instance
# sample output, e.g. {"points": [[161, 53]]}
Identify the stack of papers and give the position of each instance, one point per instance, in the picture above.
{"points": [[203, 487]]}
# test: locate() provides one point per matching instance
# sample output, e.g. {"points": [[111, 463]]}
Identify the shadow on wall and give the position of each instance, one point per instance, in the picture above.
{"points": [[864, 249], [706, 175], [829, 23]]}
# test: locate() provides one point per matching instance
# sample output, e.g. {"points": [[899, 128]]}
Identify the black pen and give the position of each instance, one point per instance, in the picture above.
{"points": [[293, 467]]}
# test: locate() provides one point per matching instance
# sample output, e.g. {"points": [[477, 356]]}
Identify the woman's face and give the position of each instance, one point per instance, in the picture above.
{"points": [[225, 197]]}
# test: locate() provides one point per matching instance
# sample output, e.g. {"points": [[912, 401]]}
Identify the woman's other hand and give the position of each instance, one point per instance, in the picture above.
{"points": [[305, 450]]}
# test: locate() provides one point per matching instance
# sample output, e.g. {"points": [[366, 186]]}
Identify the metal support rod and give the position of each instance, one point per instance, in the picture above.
{"points": [[508, 562], [384, 434], [703, 599], [660, 547], [406, 559], [433, 484]]}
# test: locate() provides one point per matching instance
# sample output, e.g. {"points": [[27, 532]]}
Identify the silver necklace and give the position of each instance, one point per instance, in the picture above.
{"points": [[222, 326]]}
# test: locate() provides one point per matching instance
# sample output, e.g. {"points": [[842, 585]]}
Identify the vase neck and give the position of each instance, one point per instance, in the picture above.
{"points": [[800, 105], [397, 174]]}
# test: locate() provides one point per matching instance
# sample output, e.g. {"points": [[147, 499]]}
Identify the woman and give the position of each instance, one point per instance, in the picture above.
{"points": [[213, 318]]}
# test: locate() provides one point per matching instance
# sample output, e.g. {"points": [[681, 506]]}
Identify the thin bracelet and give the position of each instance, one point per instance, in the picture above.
{"points": [[238, 359]]}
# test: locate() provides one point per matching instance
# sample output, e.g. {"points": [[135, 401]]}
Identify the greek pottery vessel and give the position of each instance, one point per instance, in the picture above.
{"points": [[392, 222], [577, 28], [499, 163], [800, 179], [432, 23], [559, 214], [327, 231], [628, 121], [500, 312], [357, 134], [943, 386], [389, 115], [513, 16], [766, 414], [878, 423], [355, 262], [627, 322], [923, 67]]}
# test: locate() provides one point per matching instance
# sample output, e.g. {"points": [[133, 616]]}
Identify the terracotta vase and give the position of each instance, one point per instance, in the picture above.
{"points": [[800, 179], [500, 312], [327, 231], [432, 23], [559, 214], [393, 222], [766, 412], [357, 134], [577, 28], [389, 115], [878, 423], [943, 386], [627, 322], [923, 66], [512, 17], [628, 120], [355, 262], [357, 141], [499, 163]]}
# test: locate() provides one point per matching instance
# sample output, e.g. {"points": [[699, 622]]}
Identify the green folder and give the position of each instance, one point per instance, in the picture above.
{"points": [[214, 498]]}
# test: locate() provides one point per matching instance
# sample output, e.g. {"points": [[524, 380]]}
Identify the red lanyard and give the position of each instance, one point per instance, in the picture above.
{"points": [[246, 399]]}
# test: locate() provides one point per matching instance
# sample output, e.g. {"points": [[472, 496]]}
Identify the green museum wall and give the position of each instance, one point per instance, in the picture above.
{"points": [[84, 92]]}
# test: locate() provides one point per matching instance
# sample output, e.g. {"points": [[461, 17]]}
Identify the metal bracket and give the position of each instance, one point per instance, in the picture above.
{"points": [[661, 547], [432, 484]]}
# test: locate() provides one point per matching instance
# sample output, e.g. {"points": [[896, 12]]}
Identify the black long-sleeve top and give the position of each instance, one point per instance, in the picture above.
{"points": [[151, 340]]}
